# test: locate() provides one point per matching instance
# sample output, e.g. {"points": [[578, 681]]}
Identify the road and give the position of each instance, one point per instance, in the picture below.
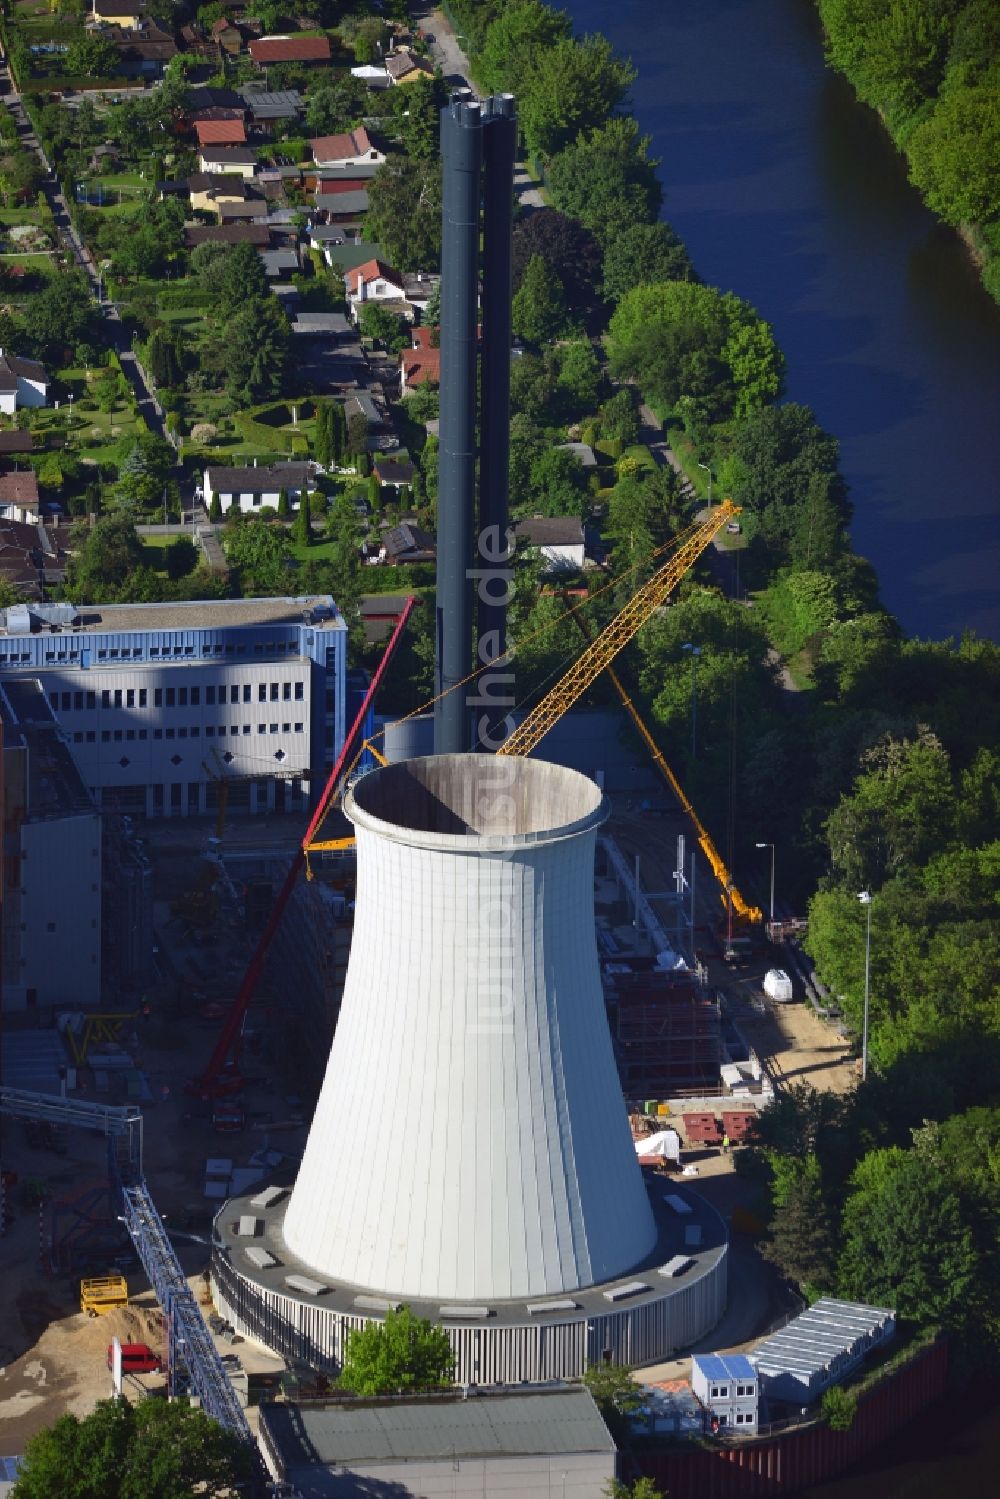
{"points": [[115, 330]]}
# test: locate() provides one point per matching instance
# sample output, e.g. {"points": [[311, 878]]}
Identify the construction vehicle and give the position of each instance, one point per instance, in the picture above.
{"points": [[738, 912], [103, 1294], [81, 1031], [137, 1358]]}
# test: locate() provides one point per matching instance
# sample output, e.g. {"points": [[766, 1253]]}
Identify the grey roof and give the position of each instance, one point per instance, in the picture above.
{"points": [[276, 262], [358, 171], [826, 1332], [343, 203], [315, 323], [581, 451], [551, 531], [257, 480], [360, 403], [550, 1423], [229, 155], [201, 614], [279, 104]]}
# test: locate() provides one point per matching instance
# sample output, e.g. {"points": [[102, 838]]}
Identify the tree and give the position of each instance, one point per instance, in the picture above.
{"points": [[301, 527], [215, 509], [165, 357], [684, 341], [242, 280], [357, 435], [953, 152], [384, 327], [404, 212], [182, 558], [565, 246], [106, 554], [802, 1239], [336, 106], [606, 180], [256, 350], [425, 98], [615, 1394], [568, 87], [894, 54], [153, 1450], [642, 254], [20, 177], [92, 57], [282, 504], [520, 32], [538, 313], [639, 1488], [402, 1353], [60, 315], [260, 552], [619, 418], [580, 378]]}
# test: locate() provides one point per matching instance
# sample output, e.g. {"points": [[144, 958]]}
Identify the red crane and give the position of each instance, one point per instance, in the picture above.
{"points": [[222, 1075]]}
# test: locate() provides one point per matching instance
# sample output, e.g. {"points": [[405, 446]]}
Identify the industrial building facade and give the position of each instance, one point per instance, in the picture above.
{"points": [[158, 703]]}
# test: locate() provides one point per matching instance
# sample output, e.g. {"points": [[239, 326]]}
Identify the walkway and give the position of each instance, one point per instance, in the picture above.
{"points": [[117, 334]]}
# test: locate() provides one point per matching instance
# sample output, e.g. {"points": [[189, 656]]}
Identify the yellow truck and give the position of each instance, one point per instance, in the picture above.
{"points": [[103, 1295]]}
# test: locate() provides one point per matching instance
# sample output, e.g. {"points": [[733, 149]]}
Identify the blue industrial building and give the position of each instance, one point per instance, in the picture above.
{"points": [[159, 703]]}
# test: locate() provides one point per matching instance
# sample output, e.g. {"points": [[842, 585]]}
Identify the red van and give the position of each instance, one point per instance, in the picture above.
{"points": [[137, 1358]]}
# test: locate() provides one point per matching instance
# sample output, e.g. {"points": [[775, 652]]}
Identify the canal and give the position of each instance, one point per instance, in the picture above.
{"points": [[789, 192]]}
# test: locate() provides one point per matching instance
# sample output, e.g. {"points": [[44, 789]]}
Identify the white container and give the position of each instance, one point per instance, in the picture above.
{"points": [[777, 985]]}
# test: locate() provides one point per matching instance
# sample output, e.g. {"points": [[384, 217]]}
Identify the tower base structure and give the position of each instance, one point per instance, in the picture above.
{"points": [[670, 1300]]}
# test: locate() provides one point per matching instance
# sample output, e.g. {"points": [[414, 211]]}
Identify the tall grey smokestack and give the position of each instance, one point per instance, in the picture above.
{"points": [[499, 149], [461, 154]]}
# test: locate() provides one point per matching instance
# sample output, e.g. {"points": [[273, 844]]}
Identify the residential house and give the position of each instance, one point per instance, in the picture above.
{"points": [[393, 472], [248, 489], [19, 496], [342, 202], [201, 98], [310, 50], [559, 539], [321, 325], [227, 234], [228, 132], [374, 281], [23, 382], [144, 51], [240, 160], [29, 557], [195, 43], [349, 148], [250, 211], [16, 441], [406, 543], [582, 452], [727, 1385], [208, 190], [405, 66], [227, 36], [421, 364], [128, 14], [363, 403], [266, 107], [372, 75], [280, 263]]}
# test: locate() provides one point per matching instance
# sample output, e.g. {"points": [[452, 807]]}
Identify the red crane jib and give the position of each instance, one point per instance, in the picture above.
{"points": [[222, 1075]]}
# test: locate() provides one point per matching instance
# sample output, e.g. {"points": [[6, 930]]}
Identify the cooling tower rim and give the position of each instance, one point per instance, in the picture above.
{"points": [[536, 784]]}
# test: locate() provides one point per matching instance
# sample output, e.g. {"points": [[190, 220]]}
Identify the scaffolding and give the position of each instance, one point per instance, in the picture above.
{"points": [[667, 1035]]}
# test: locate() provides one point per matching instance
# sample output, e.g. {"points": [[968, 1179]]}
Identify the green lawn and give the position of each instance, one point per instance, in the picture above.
{"points": [[22, 215], [46, 265]]}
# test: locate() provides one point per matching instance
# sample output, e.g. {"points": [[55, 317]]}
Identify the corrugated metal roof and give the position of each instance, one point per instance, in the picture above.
{"points": [[559, 1421], [824, 1334]]}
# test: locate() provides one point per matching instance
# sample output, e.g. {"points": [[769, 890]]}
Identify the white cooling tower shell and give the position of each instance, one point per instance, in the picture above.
{"points": [[470, 1142]]}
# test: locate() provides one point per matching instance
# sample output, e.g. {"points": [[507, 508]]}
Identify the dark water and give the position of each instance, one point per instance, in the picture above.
{"points": [[789, 193]]}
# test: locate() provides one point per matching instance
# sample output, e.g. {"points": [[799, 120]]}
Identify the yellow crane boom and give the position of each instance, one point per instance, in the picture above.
{"points": [[727, 889], [603, 649]]}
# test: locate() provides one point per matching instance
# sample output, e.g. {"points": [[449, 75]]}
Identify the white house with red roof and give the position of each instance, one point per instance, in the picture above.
{"points": [[351, 148], [374, 281]]}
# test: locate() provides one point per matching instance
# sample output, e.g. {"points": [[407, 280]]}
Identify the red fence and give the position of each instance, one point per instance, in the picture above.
{"points": [[782, 1465]]}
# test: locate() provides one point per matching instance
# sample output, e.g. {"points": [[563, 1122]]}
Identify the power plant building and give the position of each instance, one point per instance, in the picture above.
{"points": [[158, 702]]}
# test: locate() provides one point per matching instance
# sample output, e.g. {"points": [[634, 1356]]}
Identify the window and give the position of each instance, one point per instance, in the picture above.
{"points": [[170, 697], [272, 728], [118, 698], [286, 691], [91, 737], [78, 736], [91, 699], [182, 733], [298, 728], [118, 736], [246, 728], [234, 730], [170, 733], [105, 736], [234, 694], [262, 693], [210, 732], [154, 650], [300, 691], [113, 653], [262, 728], [136, 652], [157, 733], [286, 728], [67, 698], [102, 655], [246, 692], [274, 692], [143, 733], [196, 732], [195, 697], [106, 698], [78, 700], [130, 697], [157, 697], [182, 697], [50, 926], [210, 696], [143, 695]]}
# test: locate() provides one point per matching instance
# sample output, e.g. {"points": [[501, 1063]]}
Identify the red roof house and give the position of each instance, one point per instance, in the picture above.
{"points": [[266, 50], [220, 132]]}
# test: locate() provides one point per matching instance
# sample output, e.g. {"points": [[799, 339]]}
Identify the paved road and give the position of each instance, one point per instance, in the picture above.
{"points": [[116, 332]]}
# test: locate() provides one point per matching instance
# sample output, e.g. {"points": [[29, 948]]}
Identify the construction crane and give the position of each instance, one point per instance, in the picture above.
{"points": [[731, 897], [337, 845], [603, 649], [222, 1073]]}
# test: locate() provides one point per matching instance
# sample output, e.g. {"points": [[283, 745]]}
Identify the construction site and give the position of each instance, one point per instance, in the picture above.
{"points": [[463, 1042]]}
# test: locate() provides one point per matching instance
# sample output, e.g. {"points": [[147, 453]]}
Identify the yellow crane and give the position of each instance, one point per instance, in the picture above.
{"points": [[728, 891], [600, 652]]}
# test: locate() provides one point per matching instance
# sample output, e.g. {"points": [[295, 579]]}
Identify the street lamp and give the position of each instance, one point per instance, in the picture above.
{"points": [[708, 469], [771, 847], [695, 651], [865, 897]]}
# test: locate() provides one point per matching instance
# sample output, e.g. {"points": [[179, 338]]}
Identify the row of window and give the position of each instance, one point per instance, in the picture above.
{"points": [[156, 652], [721, 1391], [179, 697], [117, 736]]}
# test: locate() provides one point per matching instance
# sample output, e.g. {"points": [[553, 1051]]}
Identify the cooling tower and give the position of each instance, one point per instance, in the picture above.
{"points": [[470, 1142]]}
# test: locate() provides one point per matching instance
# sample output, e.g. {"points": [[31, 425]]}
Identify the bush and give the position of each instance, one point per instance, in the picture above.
{"points": [[839, 1407]]}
